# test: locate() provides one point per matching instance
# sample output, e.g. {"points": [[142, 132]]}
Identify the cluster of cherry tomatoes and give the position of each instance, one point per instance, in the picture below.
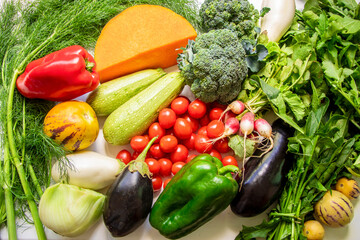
{"points": [[184, 130]]}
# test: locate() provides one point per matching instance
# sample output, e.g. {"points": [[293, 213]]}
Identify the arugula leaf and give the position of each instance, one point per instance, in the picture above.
{"points": [[296, 105], [323, 24], [260, 231], [314, 119], [279, 104], [350, 25], [350, 4]]}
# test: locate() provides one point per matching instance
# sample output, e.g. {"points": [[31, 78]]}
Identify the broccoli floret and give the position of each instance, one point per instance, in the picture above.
{"points": [[239, 16], [214, 66]]}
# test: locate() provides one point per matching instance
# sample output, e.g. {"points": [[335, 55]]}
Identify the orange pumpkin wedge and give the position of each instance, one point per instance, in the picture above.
{"points": [[141, 37]]}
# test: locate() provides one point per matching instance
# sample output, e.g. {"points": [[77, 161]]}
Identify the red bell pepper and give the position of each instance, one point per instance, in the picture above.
{"points": [[59, 76]]}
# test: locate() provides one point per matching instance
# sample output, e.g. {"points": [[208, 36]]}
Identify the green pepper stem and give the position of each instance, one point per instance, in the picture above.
{"points": [[89, 65], [228, 169]]}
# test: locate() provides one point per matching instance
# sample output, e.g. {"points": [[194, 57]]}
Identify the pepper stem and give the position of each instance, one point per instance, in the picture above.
{"points": [[89, 65], [228, 169]]}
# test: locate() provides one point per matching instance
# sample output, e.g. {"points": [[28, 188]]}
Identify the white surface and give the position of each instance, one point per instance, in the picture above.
{"points": [[224, 226]]}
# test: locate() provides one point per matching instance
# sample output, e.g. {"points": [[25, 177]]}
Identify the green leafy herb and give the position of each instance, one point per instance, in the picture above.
{"points": [[309, 81], [236, 143]]}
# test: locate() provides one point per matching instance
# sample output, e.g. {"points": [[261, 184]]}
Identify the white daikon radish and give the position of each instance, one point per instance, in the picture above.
{"points": [[277, 21]]}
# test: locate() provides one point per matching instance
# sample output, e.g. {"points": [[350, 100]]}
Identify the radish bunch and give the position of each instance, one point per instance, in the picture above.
{"points": [[248, 125]]}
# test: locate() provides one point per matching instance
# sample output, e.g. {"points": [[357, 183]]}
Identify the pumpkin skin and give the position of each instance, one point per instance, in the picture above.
{"points": [[72, 124]]}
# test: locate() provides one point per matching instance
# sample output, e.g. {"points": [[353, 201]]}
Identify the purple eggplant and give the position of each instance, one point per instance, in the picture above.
{"points": [[264, 177], [129, 198]]}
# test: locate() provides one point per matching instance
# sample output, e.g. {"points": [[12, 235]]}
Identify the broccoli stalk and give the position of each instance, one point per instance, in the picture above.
{"points": [[214, 66]]}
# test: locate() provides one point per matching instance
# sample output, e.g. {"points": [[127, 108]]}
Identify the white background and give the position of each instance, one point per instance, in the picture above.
{"points": [[224, 226]]}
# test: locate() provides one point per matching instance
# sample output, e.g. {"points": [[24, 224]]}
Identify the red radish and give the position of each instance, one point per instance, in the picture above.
{"points": [[229, 115], [231, 127], [236, 107], [246, 128], [264, 129], [247, 123]]}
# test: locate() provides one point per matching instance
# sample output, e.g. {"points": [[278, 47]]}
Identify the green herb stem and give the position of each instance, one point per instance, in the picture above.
{"points": [[17, 162], [9, 200]]}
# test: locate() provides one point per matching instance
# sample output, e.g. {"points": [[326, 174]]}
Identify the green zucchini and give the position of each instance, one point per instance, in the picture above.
{"points": [[136, 115], [110, 95]]}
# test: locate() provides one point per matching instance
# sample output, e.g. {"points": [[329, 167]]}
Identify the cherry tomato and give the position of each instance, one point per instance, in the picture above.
{"points": [[204, 120], [189, 143], [190, 157], [216, 154], [168, 143], [165, 167], [215, 128], [166, 182], [170, 131], [215, 113], [153, 165], [222, 145], [182, 128], [124, 155], [197, 109], [146, 137], [193, 122], [135, 155], [138, 143], [156, 182], [167, 118], [202, 131], [180, 105], [229, 160], [156, 130], [202, 144], [176, 167], [156, 152], [180, 154]]}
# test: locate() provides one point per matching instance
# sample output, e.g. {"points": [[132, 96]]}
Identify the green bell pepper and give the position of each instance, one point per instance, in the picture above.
{"points": [[197, 193]]}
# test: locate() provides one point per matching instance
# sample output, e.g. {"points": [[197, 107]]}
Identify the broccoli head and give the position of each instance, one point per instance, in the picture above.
{"points": [[239, 16], [214, 66]]}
